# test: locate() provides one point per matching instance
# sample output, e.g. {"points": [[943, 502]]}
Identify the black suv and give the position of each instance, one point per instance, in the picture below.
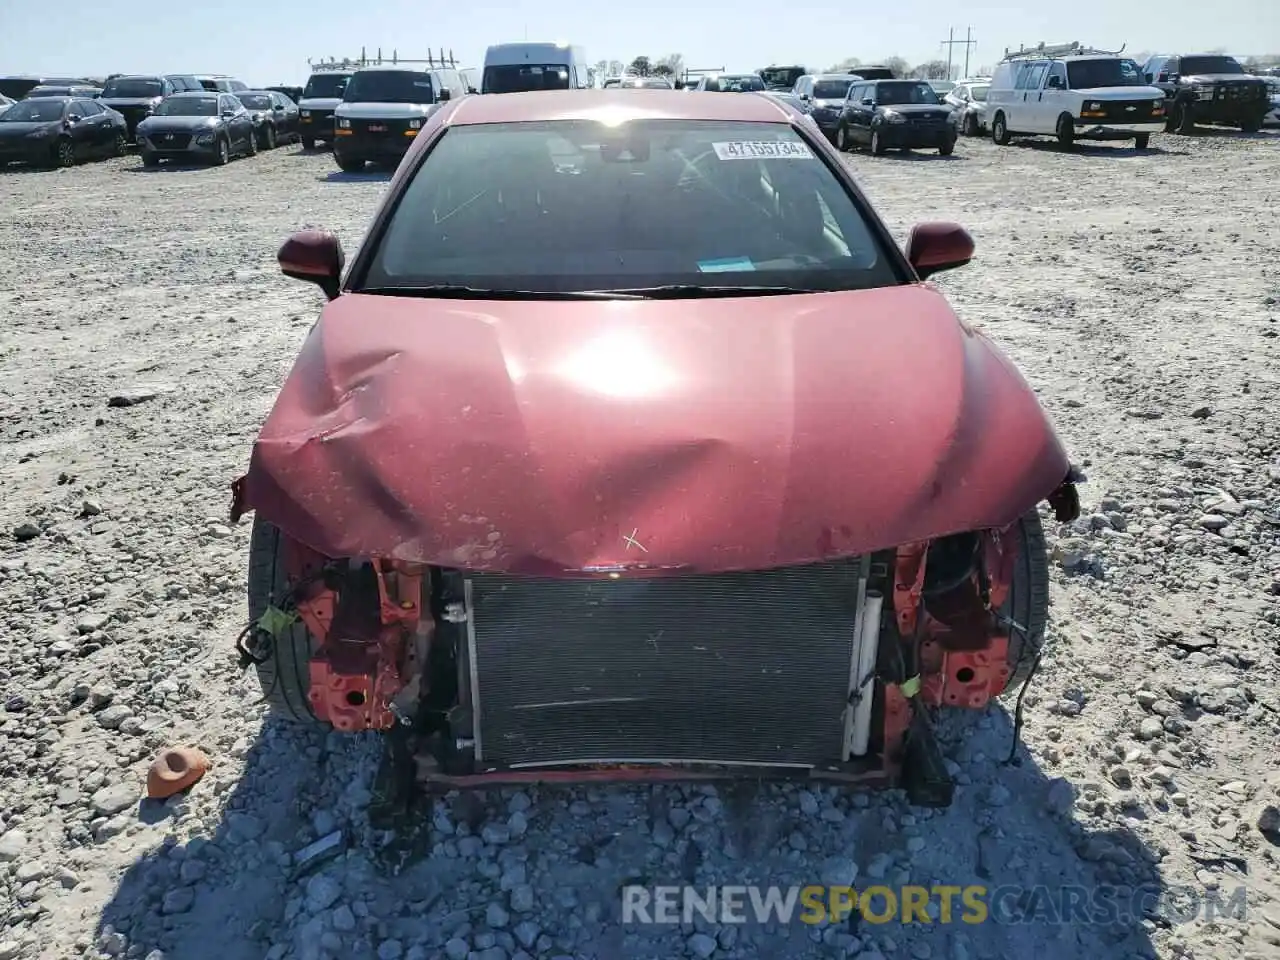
{"points": [[1208, 88]]}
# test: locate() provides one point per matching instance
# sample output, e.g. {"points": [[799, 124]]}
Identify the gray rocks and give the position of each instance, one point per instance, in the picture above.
{"points": [[178, 900], [13, 843], [322, 892], [114, 799]]}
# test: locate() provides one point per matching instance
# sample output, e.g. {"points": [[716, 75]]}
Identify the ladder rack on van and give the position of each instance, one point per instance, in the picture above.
{"points": [[332, 64], [1072, 49]]}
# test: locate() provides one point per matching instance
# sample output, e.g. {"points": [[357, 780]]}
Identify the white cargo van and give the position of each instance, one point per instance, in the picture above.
{"points": [[520, 67]]}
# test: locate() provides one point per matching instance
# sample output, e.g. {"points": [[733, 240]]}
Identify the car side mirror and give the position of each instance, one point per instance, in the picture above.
{"points": [[445, 95], [937, 246], [73, 119], [228, 113], [868, 101], [316, 256], [806, 97]]}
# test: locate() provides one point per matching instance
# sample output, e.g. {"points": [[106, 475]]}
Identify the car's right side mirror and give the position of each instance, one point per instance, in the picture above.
{"points": [[937, 246], [868, 102], [316, 256]]}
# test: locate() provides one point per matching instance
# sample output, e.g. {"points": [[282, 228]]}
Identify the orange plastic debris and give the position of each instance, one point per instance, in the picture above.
{"points": [[175, 769]]}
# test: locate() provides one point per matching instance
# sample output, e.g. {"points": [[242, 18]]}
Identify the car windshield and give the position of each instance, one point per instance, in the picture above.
{"points": [[331, 85], [33, 111], [648, 83], [979, 93], [390, 86], [1108, 72], [519, 78], [134, 88], [255, 101], [573, 205], [905, 92], [1190, 66], [832, 89], [782, 76], [188, 107], [49, 92], [744, 83]]}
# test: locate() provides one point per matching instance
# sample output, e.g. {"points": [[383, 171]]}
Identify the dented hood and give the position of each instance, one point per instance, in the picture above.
{"points": [[709, 435]]}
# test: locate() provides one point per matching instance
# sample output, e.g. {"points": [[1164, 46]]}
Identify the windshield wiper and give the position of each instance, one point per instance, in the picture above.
{"points": [[683, 291], [457, 291]]}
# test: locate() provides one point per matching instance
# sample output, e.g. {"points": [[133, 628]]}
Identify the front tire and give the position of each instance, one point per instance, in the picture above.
{"points": [[349, 164], [842, 139], [285, 672], [119, 146], [1028, 601], [1000, 131], [1184, 121], [64, 153], [149, 159], [946, 148], [1251, 126], [308, 143], [970, 125], [268, 138], [223, 156], [1142, 141], [251, 144], [877, 144], [1066, 132]]}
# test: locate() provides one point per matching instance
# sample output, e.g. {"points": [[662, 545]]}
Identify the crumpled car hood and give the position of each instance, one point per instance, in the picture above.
{"points": [[699, 435]]}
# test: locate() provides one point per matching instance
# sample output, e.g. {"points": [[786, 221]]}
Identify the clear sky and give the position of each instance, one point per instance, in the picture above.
{"points": [[265, 42]]}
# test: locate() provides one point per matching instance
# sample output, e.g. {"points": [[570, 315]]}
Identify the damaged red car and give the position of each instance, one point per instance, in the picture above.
{"points": [[630, 445]]}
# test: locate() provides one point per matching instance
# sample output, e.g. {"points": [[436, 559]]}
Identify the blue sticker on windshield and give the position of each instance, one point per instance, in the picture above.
{"points": [[729, 265]]}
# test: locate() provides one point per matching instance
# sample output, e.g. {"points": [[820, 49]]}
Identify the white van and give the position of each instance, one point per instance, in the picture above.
{"points": [[520, 67], [1073, 94]]}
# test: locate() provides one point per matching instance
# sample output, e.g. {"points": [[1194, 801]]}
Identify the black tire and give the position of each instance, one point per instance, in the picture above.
{"points": [[843, 143], [285, 674], [1028, 600], [119, 146], [307, 143], [1000, 130], [946, 148], [877, 144], [149, 159], [1142, 141], [970, 125], [349, 164], [269, 138], [223, 156], [64, 153], [1184, 120], [1251, 126], [1066, 132], [251, 144]]}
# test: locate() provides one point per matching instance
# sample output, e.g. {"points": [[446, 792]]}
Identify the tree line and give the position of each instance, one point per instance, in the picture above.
{"points": [[673, 66]]}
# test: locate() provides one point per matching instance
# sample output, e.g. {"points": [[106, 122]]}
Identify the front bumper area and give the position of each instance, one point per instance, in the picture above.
{"points": [[1094, 130], [1233, 112], [317, 126], [180, 147], [373, 147], [919, 135], [30, 150]]}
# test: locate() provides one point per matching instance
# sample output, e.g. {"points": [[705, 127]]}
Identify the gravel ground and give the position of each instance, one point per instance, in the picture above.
{"points": [[1137, 292]]}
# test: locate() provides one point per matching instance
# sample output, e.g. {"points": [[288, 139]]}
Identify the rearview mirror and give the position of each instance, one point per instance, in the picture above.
{"points": [[937, 246], [314, 255]]}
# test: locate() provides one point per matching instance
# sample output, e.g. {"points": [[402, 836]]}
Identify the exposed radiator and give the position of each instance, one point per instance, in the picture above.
{"points": [[728, 668]]}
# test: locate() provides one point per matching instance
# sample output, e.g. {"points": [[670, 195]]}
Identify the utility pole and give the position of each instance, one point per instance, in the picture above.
{"points": [[951, 43]]}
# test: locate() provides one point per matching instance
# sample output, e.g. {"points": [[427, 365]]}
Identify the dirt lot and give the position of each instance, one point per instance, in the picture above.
{"points": [[1139, 293]]}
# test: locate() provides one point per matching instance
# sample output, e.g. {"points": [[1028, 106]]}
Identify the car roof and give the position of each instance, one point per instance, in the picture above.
{"points": [[833, 76], [628, 104], [197, 94]]}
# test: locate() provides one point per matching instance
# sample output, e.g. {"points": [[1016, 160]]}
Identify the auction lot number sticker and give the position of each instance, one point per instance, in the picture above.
{"points": [[763, 150]]}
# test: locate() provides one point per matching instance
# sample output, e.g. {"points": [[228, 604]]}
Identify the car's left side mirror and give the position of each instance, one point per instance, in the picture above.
{"points": [[316, 256], [444, 95], [937, 246]]}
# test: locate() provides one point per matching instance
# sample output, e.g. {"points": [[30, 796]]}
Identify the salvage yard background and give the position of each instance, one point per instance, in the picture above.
{"points": [[1139, 293]]}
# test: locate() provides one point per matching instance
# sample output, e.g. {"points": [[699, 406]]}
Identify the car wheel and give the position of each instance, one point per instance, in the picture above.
{"points": [[1142, 141], [149, 159], [1066, 132], [251, 144], [348, 164], [842, 139], [284, 672], [877, 144], [1000, 130], [1184, 120], [64, 153], [946, 148], [269, 138], [223, 156], [1251, 126], [119, 146], [1028, 601], [970, 125], [308, 143]]}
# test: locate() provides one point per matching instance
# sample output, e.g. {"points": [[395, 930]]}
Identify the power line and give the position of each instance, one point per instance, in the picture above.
{"points": [[951, 43]]}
